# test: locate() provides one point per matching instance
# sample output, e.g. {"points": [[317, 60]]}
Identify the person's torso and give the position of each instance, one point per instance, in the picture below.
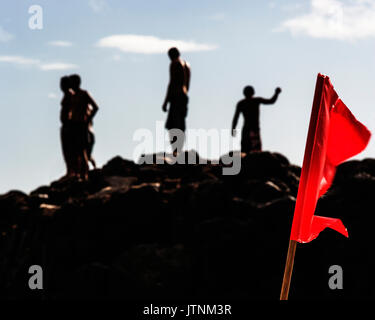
{"points": [[250, 111], [179, 85], [80, 106]]}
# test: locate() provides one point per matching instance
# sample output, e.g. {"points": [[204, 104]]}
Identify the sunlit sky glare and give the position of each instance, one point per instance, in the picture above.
{"points": [[119, 49]]}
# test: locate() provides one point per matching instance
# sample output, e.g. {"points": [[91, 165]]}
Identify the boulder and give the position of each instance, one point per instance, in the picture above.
{"points": [[150, 231]]}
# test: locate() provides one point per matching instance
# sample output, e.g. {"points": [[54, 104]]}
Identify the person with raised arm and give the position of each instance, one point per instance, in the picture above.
{"points": [[249, 108]]}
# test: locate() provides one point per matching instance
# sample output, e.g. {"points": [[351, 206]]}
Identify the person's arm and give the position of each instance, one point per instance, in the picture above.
{"points": [[273, 99], [168, 94], [235, 119], [93, 105], [188, 75]]}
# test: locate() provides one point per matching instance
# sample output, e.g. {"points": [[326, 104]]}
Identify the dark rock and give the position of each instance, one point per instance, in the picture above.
{"points": [[120, 167], [14, 206], [154, 231]]}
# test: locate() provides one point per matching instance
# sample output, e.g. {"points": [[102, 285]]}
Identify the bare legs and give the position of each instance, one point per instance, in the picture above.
{"points": [[177, 140]]}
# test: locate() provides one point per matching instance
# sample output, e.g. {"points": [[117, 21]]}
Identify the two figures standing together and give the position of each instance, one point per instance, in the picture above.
{"points": [[77, 138]]}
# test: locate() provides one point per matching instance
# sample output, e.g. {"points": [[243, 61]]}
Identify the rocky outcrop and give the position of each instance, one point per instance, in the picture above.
{"points": [[157, 231]]}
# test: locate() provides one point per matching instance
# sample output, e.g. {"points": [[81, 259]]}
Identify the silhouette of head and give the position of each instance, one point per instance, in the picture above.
{"points": [[65, 84], [75, 81], [248, 91], [173, 53]]}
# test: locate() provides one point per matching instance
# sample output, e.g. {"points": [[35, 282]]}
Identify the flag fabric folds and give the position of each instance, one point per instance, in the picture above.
{"points": [[334, 136]]}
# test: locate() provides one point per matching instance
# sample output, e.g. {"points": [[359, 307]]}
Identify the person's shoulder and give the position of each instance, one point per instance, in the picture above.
{"points": [[186, 64], [180, 63], [175, 63], [83, 93], [241, 103]]}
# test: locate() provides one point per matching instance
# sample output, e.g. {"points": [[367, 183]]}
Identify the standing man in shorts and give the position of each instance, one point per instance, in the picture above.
{"points": [[178, 100]]}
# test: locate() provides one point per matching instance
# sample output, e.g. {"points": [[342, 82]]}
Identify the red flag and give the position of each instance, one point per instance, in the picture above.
{"points": [[334, 136]]}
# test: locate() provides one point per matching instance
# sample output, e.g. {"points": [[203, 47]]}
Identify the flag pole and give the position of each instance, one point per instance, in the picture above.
{"points": [[288, 270]]}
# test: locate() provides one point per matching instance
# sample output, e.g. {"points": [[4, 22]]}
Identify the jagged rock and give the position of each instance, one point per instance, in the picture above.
{"points": [[185, 230], [119, 167], [14, 207]]}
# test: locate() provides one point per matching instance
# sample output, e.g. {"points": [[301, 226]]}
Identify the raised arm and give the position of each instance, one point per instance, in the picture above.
{"points": [[235, 119], [273, 99]]}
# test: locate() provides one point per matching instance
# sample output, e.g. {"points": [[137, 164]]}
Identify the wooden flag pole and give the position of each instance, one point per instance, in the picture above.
{"points": [[288, 270]]}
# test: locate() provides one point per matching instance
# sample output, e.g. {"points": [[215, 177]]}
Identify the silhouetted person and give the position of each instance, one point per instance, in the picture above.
{"points": [[177, 97], [66, 129], [84, 109], [249, 107]]}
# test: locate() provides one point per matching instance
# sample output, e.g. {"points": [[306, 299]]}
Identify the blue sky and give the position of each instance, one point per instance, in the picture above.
{"points": [[229, 44]]}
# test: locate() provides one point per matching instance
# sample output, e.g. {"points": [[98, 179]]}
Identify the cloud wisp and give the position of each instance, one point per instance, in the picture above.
{"points": [[149, 44], [60, 43], [5, 36], [44, 66], [57, 66], [19, 60], [335, 19]]}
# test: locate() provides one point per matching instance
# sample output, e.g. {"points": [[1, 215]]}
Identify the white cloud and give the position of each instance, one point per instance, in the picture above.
{"points": [[19, 60], [335, 19], [59, 43], [98, 5], [149, 44], [57, 66], [4, 35]]}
